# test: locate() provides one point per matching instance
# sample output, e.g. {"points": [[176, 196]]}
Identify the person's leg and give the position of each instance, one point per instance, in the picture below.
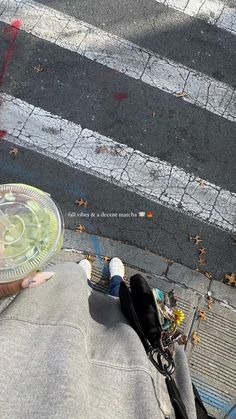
{"points": [[117, 272], [86, 265]]}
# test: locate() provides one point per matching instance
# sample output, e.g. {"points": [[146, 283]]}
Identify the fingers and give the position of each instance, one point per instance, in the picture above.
{"points": [[10, 288], [37, 279]]}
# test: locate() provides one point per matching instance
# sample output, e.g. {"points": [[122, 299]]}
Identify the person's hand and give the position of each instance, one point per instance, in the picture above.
{"points": [[35, 278]]}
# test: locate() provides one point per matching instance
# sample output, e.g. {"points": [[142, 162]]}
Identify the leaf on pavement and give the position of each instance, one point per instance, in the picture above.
{"points": [[13, 151], [202, 314], [38, 68], [195, 338], [103, 149], [230, 278], [82, 202], [80, 228], [106, 258], [210, 301], [202, 251], [202, 182], [197, 239], [181, 94], [154, 114], [90, 257], [208, 274], [201, 260]]}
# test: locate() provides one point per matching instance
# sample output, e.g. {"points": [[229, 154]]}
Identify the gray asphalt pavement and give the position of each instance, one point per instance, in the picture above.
{"points": [[184, 135]]}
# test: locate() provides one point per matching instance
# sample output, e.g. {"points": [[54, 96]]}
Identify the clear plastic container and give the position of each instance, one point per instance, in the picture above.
{"points": [[31, 230]]}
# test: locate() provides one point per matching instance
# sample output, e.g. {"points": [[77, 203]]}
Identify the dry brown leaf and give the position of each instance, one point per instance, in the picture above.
{"points": [[38, 68], [103, 149], [13, 151], [230, 278], [90, 257], [168, 260], [181, 94], [202, 182], [82, 202], [80, 228], [202, 250], [202, 314], [208, 274], [106, 258], [201, 260], [195, 338], [197, 239], [210, 302]]}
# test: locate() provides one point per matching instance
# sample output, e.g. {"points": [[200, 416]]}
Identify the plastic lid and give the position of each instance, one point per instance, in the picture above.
{"points": [[31, 230]]}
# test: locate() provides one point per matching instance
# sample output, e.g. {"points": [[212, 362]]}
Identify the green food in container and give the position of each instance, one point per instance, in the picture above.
{"points": [[31, 230]]}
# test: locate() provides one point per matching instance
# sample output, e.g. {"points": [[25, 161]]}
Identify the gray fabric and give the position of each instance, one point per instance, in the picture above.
{"points": [[67, 352], [183, 380]]}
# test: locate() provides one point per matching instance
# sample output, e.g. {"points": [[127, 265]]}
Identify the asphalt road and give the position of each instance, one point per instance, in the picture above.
{"points": [[82, 91]]}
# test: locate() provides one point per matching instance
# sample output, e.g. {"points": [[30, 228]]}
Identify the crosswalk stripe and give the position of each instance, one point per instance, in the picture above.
{"points": [[123, 56], [88, 151], [213, 11]]}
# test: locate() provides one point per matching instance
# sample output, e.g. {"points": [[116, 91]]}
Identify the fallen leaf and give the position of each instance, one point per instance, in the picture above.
{"points": [[13, 151], [202, 182], [82, 202], [197, 270], [154, 114], [91, 258], [202, 250], [38, 68], [208, 274], [202, 314], [197, 239], [195, 338], [103, 149], [230, 278], [106, 258], [210, 302], [181, 94], [168, 260], [80, 228], [201, 261], [3, 133]]}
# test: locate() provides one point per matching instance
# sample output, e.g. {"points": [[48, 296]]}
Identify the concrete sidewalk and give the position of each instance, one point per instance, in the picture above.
{"points": [[212, 360]]}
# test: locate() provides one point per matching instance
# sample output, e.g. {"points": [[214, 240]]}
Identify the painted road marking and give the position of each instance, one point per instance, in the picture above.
{"points": [[150, 177], [122, 55], [213, 11]]}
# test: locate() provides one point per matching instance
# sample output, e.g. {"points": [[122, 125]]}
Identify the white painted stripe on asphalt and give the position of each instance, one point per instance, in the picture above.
{"points": [[213, 11], [150, 177], [122, 55]]}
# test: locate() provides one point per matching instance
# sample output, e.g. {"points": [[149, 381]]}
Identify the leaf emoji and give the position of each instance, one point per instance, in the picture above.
{"points": [[38, 68], [181, 94], [80, 228], [202, 314], [13, 151], [195, 338]]}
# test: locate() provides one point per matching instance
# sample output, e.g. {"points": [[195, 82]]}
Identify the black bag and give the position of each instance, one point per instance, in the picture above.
{"points": [[139, 307]]}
